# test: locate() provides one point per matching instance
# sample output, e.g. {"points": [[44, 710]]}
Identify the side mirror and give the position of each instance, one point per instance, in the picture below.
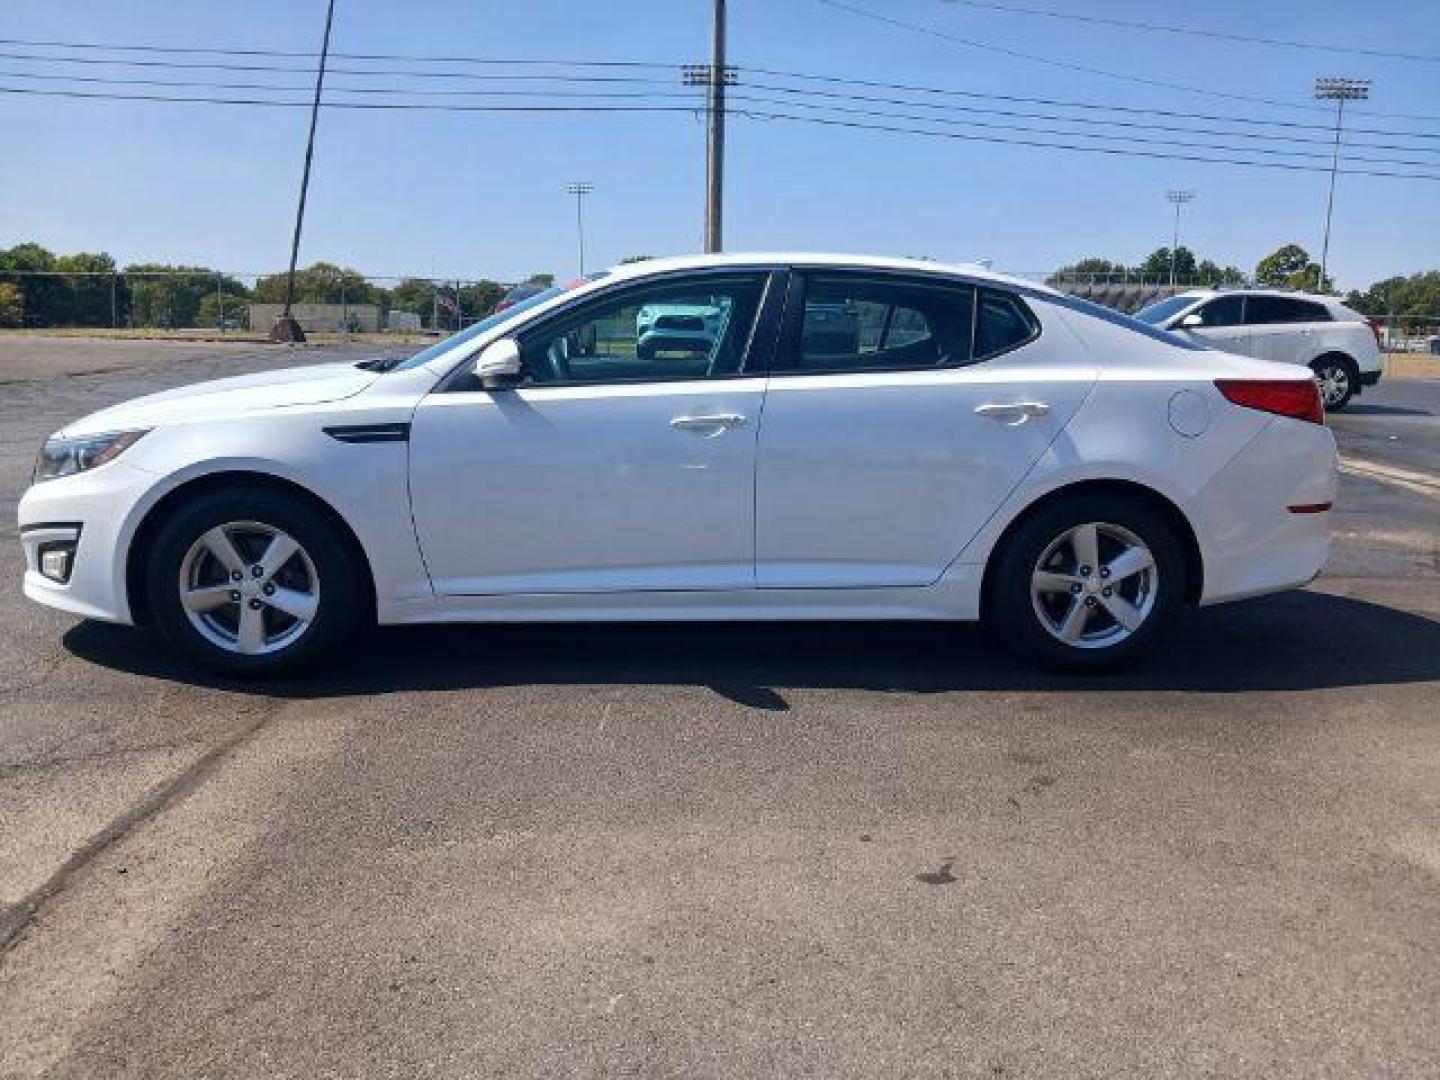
{"points": [[498, 365], [1191, 321]]}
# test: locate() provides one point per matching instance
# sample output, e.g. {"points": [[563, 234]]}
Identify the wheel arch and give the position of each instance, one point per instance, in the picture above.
{"points": [[1129, 489], [141, 540]]}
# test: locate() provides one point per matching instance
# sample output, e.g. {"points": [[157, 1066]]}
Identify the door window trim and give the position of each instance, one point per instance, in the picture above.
{"points": [[793, 319], [1243, 320], [757, 352]]}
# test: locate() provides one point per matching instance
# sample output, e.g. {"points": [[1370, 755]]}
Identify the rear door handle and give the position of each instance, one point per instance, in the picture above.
{"points": [[1013, 412], [707, 425]]}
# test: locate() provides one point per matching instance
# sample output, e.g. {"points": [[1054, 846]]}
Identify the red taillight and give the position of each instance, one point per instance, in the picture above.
{"points": [[1298, 398], [1376, 330]]}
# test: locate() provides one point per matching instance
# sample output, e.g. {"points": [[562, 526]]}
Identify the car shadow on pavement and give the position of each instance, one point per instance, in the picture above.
{"points": [[1360, 408], [1295, 641]]}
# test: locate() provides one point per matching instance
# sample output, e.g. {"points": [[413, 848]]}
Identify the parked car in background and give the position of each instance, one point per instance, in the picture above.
{"points": [[1339, 345], [980, 448], [683, 328], [517, 293]]}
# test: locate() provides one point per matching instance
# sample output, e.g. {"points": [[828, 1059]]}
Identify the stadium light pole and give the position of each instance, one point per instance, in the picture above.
{"points": [[287, 328], [580, 188], [1179, 198], [1339, 90]]}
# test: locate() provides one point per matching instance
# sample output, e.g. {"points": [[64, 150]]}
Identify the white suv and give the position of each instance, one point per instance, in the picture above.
{"points": [[1341, 346]]}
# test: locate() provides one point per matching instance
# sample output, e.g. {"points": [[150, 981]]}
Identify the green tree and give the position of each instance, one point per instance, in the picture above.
{"points": [[1291, 267], [1157, 265], [225, 308], [12, 304], [1210, 273], [45, 298], [1090, 268], [320, 283], [88, 293], [1416, 296], [546, 280], [481, 298], [417, 295], [170, 296]]}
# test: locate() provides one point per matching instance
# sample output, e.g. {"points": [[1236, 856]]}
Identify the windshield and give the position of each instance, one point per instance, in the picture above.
{"points": [[470, 333], [1158, 312]]}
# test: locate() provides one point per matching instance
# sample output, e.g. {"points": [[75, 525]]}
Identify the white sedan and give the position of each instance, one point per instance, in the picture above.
{"points": [[972, 447]]}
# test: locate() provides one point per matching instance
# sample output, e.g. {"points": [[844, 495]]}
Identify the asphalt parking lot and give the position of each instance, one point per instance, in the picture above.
{"points": [[738, 851]]}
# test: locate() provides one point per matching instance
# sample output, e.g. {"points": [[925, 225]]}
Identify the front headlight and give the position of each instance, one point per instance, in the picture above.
{"points": [[65, 457]]}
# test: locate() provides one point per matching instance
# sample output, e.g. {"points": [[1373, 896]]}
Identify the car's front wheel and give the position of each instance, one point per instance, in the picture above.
{"points": [[1087, 582], [251, 581]]}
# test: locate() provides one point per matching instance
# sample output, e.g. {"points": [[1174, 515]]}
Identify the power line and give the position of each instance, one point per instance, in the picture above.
{"points": [[1136, 139], [419, 57], [1106, 121], [1068, 65], [365, 105], [1193, 31], [290, 69], [621, 79], [1113, 151], [790, 92], [750, 113], [188, 84], [1129, 110]]}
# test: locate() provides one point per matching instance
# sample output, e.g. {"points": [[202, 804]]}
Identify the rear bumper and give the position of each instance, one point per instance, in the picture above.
{"points": [[1255, 542]]}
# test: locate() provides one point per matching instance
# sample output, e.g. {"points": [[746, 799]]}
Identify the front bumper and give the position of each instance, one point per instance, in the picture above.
{"points": [[1369, 378], [94, 513]]}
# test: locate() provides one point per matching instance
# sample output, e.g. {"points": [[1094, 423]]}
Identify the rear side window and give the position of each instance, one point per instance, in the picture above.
{"points": [[1284, 309], [1003, 323], [857, 323]]}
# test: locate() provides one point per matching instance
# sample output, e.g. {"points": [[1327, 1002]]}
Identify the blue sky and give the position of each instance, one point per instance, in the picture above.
{"points": [[481, 194]]}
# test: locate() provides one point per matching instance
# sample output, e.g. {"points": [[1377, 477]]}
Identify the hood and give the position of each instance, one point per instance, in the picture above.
{"points": [[287, 387]]}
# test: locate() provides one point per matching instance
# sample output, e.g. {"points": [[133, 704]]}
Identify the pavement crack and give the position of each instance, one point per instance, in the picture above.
{"points": [[60, 761], [15, 918]]}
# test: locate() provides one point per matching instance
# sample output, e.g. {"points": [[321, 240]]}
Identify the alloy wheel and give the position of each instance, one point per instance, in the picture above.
{"points": [[249, 588], [1334, 383], [1094, 585]]}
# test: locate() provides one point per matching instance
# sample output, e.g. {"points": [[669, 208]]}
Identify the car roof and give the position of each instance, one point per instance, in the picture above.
{"points": [[1260, 290], [670, 263]]}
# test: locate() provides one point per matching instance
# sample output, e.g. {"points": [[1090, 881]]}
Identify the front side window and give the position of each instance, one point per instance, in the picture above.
{"points": [[657, 331], [854, 323], [1226, 311]]}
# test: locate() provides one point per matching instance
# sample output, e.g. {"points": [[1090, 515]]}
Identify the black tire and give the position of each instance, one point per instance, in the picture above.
{"points": [[325, 556], [1338, 376], [1011, 608]]}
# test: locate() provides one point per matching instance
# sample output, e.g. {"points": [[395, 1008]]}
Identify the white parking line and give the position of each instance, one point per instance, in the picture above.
{"points": [[1420, 483]]}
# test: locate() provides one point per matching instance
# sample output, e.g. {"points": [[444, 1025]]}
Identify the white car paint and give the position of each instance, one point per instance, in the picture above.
{"points": [[865, 495], [1344, 332]]}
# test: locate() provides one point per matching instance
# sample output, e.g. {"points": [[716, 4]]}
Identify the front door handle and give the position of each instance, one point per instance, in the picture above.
{"points": [[1013, 412], [707, 425]]}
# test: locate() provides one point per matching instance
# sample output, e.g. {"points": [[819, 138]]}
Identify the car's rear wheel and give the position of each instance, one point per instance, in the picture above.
{"points": [[251, 581], [1337, 381], [1087, 582]]}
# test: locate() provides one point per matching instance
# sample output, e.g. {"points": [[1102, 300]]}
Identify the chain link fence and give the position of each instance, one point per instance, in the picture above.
{"points": [[237, 304], [240, 304]]}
